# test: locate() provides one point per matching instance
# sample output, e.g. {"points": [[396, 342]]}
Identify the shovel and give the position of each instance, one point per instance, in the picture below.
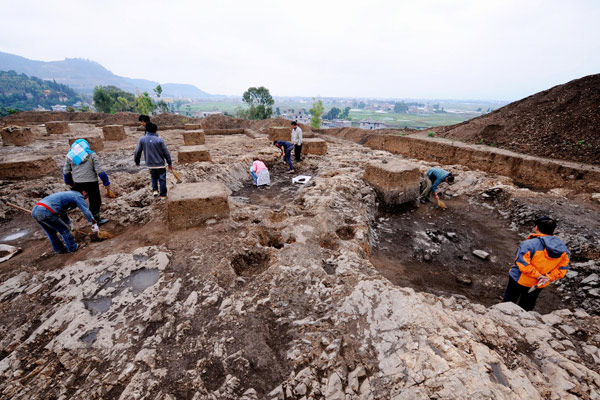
{"points": [[441, 204], [177, 176], [100, 235]]}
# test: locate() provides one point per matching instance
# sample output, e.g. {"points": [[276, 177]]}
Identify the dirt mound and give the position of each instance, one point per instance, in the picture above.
{"points": [[265, 124], [561, 122], [361, 135], [40, 117], [223, 122], [172, 119], [121, 118]]}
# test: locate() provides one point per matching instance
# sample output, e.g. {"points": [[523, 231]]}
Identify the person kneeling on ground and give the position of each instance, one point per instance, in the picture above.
{"points": [[155, 154], [81, 171], [51, 214], [541, 259], [260, 173], [286, 153], [431, 180]]}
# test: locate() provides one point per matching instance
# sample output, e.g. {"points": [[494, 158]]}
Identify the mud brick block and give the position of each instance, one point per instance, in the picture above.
{"points": [[114, 132], [16, 136], [26, 167], [57, 127], [190, 154], [193, 138], [280, 133], [192, 127], [396, 182], [191, 204], [314, 146], [96, 143], [234, 131]]}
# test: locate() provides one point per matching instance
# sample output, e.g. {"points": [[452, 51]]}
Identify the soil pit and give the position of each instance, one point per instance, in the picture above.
{"points": [[431, 250], [281, 192]]}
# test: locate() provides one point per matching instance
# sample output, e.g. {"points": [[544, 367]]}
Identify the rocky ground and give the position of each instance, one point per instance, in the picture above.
{"points": [[306, 291]]}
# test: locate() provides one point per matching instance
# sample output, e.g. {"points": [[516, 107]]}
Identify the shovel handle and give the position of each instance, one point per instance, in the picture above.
{"points": [[18, 207]]}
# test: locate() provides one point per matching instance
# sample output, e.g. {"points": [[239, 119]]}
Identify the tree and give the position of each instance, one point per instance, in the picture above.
{"points": [[346, 113], [277, 112], [157, 90], [316, 111], [144, 104], [333, 113], [111, 99], [260, 101], [400, 107], [362, 105]]}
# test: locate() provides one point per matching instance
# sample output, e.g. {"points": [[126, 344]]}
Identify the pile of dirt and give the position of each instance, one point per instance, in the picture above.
{"points": [[167, 119], [218, 121], [120, 118], [265, 124], [359, 135], [561, 122], [40, 117]]}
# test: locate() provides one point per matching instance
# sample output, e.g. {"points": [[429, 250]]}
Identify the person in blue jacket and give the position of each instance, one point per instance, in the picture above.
{"points": [[155, 153], [51, 214], [431, 181], [286, 152]]}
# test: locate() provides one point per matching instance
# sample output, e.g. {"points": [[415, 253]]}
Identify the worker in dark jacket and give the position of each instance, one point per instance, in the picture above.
{"points": [[541, 259], [431, 180], [51, 214], [155, 153], [286, 153], [81, 172]]}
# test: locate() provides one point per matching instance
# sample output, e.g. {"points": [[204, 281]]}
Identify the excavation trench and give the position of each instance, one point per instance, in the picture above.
{"points": [[431, 250]]}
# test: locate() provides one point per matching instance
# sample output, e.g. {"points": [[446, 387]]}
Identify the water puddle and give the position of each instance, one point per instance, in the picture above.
{"points": [[137, 282], [15, 236], [141, 279], [98, 305], [90, 336]]}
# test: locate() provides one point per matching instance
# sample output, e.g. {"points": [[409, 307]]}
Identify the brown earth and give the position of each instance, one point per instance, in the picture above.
{"points": [[562, 122]]}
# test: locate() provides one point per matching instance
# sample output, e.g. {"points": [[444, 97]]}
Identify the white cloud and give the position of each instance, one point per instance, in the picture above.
{"points": [[494, 49]]}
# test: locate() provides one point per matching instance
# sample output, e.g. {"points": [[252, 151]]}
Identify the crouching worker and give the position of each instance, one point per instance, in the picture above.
{"points": [[260, 173], [541, 259], [431, 180], [81, 172], [155, 153], [286, 153], [51, 214]]}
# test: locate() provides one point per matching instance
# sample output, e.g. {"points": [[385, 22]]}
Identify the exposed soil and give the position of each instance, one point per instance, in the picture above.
{"points": [[430, 249], [561, 123]]}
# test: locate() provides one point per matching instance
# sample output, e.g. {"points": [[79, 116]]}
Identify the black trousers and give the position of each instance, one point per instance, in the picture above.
{"points": [[519, 294], [297, 151], [93, 190]]}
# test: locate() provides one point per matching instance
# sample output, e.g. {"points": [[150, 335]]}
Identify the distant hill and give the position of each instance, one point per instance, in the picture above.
{"points": [[562, 122], [18, 91], [83, 75]]}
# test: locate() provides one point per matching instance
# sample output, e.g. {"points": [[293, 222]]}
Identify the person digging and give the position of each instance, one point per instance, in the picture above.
{"points": [[541, 259], [51, 214], [286, 153], [431, 181]]}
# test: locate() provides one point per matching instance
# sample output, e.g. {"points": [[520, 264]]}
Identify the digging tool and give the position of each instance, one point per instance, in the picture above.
{"points": [[441, 204], [110, 194], [177, 176], [100, 235]]}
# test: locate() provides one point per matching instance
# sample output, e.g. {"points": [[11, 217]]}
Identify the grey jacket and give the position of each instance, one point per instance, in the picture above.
{"points": [[87, 171]]}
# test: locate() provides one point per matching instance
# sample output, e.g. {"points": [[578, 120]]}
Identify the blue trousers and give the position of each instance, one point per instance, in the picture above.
{"points": [[288, 157], [159, 176], [53, 225], [254, 176]]}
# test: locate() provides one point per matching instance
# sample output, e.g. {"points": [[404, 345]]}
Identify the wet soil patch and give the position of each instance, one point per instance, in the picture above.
{"points": [[431, 250], [281, 192]]}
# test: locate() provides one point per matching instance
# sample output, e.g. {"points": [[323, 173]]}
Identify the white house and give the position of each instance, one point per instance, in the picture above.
{"points": [[370, 124]]}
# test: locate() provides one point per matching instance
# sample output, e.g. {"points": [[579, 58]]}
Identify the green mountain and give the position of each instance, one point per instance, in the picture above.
{"points": [[83, 75], [18, 91]]}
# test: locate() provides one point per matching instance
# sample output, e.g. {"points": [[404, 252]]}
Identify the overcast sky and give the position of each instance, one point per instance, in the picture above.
{"points": [[463, 49]]}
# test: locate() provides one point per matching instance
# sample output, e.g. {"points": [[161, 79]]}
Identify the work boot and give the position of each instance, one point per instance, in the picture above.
{"points": [[100, 220], [155, 193]]}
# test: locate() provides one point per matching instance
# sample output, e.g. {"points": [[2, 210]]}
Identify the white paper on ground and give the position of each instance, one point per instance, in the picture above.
{"points": [[303, 179]]}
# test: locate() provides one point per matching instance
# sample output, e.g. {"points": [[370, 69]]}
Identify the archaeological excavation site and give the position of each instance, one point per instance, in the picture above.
{"points": [[341, 286]]}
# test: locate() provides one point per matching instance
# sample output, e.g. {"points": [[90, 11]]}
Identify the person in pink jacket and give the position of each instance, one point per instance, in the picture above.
{"points": [[260, 173]]}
